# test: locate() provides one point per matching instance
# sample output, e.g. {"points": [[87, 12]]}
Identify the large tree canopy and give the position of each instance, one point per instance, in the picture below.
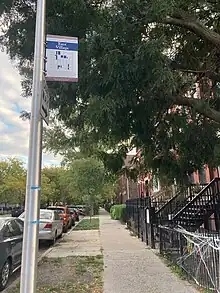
{"points": [[12, 181], [139, 59]]}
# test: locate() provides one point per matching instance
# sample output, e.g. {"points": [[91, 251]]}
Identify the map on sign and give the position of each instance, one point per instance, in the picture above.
{"points": [[61, 59], [64, 60]]}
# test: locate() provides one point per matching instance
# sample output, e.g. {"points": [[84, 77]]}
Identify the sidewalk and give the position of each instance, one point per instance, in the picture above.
{"points": [[130, 267]]}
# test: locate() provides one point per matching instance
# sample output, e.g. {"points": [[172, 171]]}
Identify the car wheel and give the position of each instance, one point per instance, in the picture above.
{"points": [[5, 274]]}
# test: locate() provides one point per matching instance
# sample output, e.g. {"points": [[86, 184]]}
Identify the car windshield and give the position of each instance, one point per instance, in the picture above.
{"points": [[46, 215], [59, 210]]}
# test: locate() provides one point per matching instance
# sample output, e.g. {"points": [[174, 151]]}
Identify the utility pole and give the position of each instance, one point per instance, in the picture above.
{"points": [[32, 202]]}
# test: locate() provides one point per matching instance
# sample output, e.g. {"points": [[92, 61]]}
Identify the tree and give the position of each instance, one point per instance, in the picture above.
{"points": [[57, 186], [138, 60], [88, 177], [12, 181], [48, 189], [55, 182]]}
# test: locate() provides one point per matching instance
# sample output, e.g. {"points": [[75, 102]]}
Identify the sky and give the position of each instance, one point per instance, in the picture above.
{"points": [[14, 132]]}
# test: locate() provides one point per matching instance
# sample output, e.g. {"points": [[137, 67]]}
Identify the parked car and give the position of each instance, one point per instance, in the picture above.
{"points": [[50, 227], [17, 211], [81, 209], [11, 238], [64, 214], [74, 212]]}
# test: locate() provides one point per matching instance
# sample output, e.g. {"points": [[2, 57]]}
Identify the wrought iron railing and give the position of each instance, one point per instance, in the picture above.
{"points": [[199, 208], [178, 201]]}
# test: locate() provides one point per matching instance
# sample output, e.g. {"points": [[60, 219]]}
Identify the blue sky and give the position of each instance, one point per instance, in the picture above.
{"points": [[14, 132]]}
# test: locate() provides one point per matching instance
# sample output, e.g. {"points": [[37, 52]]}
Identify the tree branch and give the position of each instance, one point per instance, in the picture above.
{"points": [[25, 115], [211, 74], [200, 106], [195, 26]]}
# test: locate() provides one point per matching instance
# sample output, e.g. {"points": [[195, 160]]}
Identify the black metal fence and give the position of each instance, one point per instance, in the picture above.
{"points": [[197, 253], [140, 215]]}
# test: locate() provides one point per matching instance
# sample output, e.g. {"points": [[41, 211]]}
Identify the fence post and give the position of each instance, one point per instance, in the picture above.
{"points": [[181, 239], [145, 221], [141, 219], [138, 217], [150, 217], [218, 270], [161, 240], [146, 225]]}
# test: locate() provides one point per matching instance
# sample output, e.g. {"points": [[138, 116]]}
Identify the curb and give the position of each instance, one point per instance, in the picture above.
{"points": [[16, 281]]}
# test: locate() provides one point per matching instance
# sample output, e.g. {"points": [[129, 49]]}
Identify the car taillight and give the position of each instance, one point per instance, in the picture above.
{"points": [[48, 226]]}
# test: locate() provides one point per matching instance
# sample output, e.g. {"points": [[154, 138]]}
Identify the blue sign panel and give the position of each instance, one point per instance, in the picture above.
{"points": [[62, 46]]}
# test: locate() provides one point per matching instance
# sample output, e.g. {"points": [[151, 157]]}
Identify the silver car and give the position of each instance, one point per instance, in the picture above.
{"points": [[50, 226], [11, 238]]}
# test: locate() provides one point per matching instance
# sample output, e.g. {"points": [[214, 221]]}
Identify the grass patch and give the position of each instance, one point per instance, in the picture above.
{"points": [[86, 224], [68, 275]]}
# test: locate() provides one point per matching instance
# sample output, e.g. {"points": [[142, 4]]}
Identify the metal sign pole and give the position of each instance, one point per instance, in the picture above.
{"points": [[31, 224]]}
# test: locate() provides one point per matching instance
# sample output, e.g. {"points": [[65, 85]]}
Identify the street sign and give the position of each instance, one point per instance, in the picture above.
{"points": [[61, 59], [44, 111]]}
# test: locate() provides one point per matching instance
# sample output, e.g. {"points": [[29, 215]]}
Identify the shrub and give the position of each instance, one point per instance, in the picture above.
{"points": [[117, 212]]}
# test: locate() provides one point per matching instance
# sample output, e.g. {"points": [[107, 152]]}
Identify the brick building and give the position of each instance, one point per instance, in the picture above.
{"points": [[127, 188]]}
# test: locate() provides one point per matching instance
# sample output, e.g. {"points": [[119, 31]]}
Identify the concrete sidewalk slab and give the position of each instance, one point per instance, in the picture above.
{"points": [[130, 267], [78, 243]]}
